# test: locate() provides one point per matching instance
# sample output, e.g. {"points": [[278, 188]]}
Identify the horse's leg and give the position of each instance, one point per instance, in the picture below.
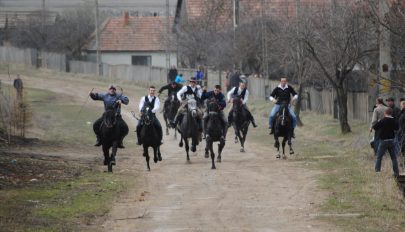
{"points": [[211, 144], [277, 145], [167, 126], [187, 149], [240, 137], [159, 154], [155, 158], [207, 139], [221, 146], [181, 140], [194, 142], [290, 145], [236, 134], [242, 142], [114, 152], [283, 144], [106, 155], [146, 154]]}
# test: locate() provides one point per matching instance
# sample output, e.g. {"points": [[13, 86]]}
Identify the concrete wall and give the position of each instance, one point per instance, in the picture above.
{"points": [[117, 58]]}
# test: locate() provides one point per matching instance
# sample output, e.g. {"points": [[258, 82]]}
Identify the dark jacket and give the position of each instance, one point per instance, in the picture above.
{"points": [[170, 89], [234, 81], [401, 122], [283, 95], [387, 127], [396, 113], [219, 97]]}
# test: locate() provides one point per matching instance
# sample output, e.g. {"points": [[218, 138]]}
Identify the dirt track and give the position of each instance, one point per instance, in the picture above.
{"points": [[250, 191]]}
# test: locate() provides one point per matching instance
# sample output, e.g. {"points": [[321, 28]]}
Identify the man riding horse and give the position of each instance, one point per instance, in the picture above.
{"points": [[172, 89], [111, 101], [220, 100], [153, 103], [190, 91], [282, 95], [243, 93]]}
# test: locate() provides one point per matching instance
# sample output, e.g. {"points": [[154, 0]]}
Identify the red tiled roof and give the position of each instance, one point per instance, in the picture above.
{"points": [[140, 34]]}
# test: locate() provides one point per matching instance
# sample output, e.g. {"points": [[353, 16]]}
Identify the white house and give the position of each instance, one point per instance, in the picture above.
{"points": [[132, 40]]}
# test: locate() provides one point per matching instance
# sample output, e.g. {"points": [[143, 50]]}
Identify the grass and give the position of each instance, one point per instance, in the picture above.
{"points": [[358, 198]]}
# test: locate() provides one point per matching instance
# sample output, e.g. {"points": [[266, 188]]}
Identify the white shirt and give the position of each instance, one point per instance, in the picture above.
{"points": [[184, 89], [157, 104], [230, 93]]}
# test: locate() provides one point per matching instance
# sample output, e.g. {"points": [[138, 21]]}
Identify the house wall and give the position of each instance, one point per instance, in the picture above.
{"points": [[158, 58]]}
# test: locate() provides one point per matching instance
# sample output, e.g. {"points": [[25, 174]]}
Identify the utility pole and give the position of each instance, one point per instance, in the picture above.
{"points": [[98, 58], [264, 39], [168, 39]]}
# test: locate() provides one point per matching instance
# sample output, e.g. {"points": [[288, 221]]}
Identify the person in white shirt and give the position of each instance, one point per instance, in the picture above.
{"points": [[152, 102], [190, 91], [243, 93]]}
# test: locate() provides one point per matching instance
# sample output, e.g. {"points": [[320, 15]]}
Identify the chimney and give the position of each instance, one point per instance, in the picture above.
{"points": [[126, 18]]}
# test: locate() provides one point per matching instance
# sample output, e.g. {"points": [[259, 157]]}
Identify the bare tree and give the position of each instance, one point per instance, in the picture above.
{"points": [[338, 39]]}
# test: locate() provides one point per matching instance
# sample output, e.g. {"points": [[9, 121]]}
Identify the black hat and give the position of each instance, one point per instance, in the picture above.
{"points": [[193, 79], [390, 99], [402, 99]]}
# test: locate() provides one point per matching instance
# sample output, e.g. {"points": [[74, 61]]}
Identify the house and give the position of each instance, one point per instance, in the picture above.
{"points": [[134, 41]]}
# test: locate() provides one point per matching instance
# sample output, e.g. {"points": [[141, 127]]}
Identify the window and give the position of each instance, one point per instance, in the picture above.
{"points": [[142, 60]]}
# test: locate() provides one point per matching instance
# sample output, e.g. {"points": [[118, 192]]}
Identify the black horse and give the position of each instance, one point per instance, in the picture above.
{"points": [[283, 128], [110, 137], [150, 136], [240, 121], [214, 132], [170, 109], [189, 128]]}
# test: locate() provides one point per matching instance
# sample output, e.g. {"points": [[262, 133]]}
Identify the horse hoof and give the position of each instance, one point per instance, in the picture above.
{"points": [[155, 160], [207, 155], [242, 150], [113, 162], [180, 144], [219, 160], [213, 168], [278, 156], [160, 158], [193, 149], [292, 152], [236, 141]]}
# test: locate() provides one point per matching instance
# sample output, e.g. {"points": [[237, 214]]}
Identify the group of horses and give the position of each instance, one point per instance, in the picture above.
{"points": [[189, 130]]}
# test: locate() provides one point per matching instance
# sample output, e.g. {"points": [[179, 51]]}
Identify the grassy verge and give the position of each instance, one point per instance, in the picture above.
{"points": [[45, 193], [358, 198]]}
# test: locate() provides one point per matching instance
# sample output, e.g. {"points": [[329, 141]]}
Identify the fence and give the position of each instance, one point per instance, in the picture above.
{"points": [[321, 101]]}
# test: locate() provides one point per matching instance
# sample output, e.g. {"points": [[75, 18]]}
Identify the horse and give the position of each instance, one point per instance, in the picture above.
{"points": [[240, 121], [283, 129], [214, 132], [110, 137], [189, 127], [170, 110], [150, 137]]}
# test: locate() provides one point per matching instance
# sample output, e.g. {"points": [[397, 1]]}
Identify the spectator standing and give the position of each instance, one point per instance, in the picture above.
{"points": [[387, 127], [378, 114], [179, 79], [234, 81], [395, 110], [199, 75], [401, 130], [172, 74]]}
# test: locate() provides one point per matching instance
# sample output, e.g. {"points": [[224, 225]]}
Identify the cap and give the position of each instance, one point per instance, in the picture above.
{"points": [[192, 79]]}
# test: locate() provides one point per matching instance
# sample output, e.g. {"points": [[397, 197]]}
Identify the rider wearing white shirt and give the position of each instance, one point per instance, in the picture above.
{"points": [[243, 93], [153, 102], [190, 91]]}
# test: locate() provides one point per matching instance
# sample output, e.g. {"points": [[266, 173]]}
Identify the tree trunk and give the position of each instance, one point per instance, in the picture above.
{"points": [[299, 104], [342, 102]]}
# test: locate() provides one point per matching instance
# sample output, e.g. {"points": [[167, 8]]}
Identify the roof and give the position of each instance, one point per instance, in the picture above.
{"points": [[139, 34], [248, 9]]}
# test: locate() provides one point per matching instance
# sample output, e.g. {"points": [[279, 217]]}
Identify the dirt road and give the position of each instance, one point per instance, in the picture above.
{"points": [[250, 191]]}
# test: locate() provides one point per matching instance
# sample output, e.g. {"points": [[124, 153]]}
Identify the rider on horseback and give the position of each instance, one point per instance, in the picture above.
{"points": [[153, 103], [243, 93], [172, 89], [220, 99], [191, 91], [282, 94], [111, 101]]}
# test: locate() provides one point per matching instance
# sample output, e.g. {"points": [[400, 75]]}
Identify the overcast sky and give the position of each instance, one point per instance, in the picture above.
{"points": [[59, 5]]}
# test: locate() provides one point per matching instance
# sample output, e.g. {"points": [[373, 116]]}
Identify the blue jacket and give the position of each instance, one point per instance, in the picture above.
{"points": [[199, 75], [109, 100], [179, 79], [219, 97]]}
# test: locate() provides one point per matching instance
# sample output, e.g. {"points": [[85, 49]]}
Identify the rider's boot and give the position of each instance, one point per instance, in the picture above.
{"points": [[139, 142], [271, 130], [98, 143]]}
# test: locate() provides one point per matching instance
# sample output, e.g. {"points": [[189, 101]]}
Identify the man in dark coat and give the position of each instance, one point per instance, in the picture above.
{"points": [[172, 74], [111, 100], [220, 98]]}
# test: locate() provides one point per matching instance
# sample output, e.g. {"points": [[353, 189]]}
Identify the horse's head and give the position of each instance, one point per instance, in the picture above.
{"points": [[192, 107], [212, 105], [147, 115], [237, 103], [109, 118]]}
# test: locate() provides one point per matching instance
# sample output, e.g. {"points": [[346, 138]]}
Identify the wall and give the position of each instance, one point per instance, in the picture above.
{"points": [[116, 58]]}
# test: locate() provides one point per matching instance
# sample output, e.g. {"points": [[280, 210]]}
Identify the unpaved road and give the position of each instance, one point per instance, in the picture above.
{"points": [[250, 191]]}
